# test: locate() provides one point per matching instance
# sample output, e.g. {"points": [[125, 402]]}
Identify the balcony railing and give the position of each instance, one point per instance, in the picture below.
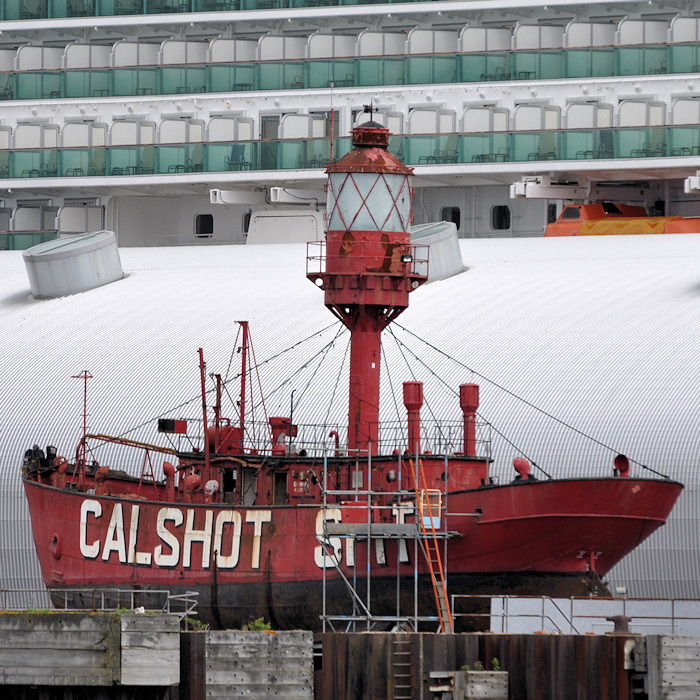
{"points": [[295, 154], [368, 71], [21, 240], [40, 9]]}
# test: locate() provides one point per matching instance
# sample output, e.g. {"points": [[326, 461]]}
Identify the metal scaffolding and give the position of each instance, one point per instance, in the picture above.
{"points": [[365, 510]]}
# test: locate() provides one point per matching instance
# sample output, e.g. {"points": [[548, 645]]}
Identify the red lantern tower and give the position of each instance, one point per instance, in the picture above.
{"points": [[369, 266]]}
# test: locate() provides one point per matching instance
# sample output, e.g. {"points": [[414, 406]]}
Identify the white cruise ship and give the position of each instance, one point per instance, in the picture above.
{"points": [[181, 123]]}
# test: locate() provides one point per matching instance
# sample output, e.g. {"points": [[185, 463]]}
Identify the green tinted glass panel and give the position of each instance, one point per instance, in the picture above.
{"points": [[419, 70], [237, 77], [7, 86], [123, 160], [123, 7], [291, 154], [578, 145], [214, 6], [478, 67], [397, 146], [75, 162], [86, 83], [34, 163], [273, 75], [339, 72], [182, 80], [21, 240], [38, 85], [588, 63], [655, 60], [422, 149], [549, 65], [525, 66], [171, 159], [628, 60], [134, 81], [631, 143], [72, 8], [684, 141], [263, 4], [231, 157], [483, 148], [540, 65], [684, 59], [430, 69], [380, 71], [535, 146], [167, 6], [25, 9]]}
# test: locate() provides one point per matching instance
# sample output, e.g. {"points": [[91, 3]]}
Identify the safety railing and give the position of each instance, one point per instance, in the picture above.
{"points": [[41, 9], [329, 440], [99, 600], [578, 615], [293, 154], [21, 240], [343, 72]]}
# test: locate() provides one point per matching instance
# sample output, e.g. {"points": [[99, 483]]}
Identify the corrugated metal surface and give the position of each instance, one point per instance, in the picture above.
{"points": [[600, 332]]}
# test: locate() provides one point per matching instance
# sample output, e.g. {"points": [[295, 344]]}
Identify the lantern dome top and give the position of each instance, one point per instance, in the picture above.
{"points": [[370, 153]]}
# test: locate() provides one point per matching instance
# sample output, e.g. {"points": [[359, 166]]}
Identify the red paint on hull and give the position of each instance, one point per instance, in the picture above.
{"points": [[539, 527]]}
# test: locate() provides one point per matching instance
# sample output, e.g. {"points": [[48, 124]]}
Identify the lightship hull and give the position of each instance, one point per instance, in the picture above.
{"points": [[552, 537]]}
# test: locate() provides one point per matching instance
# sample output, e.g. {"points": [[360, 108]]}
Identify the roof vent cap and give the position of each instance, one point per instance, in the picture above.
{"points": [[73, 264]]}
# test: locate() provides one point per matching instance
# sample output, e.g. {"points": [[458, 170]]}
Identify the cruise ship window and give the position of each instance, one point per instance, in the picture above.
{"points": [[500, 217], [451, 214], [204, 225]]}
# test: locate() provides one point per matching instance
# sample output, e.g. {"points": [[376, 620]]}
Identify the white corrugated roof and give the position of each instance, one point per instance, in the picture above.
{"points": [[600, 332]]}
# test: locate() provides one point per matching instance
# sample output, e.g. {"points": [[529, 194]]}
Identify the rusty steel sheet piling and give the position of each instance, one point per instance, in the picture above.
{"points": [[540, 666]]}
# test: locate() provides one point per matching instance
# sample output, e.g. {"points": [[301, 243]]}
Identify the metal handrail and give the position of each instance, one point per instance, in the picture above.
{"points": [[102, 600], [672, 621]]}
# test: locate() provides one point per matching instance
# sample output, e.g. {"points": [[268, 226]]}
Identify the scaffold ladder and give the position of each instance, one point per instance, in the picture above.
{"points": [[429, 504]]}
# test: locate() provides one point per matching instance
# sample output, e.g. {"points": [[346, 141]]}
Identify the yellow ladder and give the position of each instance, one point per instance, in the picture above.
{"points": [[429, 504]]}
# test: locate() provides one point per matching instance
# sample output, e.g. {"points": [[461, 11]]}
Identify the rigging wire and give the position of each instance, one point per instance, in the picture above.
{"points": [[189, 401], [337, 379], [451, 389], [578, 431], [319, 353]]}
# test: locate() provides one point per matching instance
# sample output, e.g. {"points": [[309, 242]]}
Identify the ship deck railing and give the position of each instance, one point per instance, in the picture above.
{"points": [[318, 441]]}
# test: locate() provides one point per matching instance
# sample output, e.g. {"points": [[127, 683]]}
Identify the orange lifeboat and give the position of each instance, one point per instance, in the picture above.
{"points": [[608, 218]]}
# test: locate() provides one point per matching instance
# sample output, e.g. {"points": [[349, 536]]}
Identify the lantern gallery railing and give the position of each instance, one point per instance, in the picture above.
{"points": [[367, 71], [294, 154]]}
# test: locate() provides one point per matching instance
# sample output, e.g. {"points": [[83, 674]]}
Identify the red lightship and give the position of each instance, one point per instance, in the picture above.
{"points": [[361, 533]]}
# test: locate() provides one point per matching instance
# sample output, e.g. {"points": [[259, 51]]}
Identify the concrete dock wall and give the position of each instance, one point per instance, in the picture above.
{"points": [[89, 650], [147, 657]]}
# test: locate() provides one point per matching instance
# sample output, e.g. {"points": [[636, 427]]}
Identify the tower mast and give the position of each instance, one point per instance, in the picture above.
{"points": [[370, 265]]}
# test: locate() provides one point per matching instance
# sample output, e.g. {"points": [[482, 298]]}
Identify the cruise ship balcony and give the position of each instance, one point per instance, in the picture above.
{"points": [[107, 99]]}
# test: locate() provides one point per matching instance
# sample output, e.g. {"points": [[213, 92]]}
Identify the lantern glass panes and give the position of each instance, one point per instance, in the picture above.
{"points": [[369, 202]]}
